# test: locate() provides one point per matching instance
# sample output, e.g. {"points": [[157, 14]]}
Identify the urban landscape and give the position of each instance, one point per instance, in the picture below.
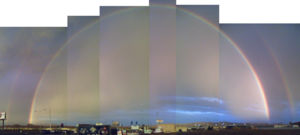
{"points": [[200, 128], [164, 69]]}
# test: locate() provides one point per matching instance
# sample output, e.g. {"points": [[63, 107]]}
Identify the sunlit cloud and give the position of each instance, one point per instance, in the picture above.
{"points": [[214, 100], [188, 112]]}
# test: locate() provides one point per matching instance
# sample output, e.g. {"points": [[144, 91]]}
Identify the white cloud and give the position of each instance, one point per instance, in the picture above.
{"points": [[187, 112], [212, 99], [206, 99]]}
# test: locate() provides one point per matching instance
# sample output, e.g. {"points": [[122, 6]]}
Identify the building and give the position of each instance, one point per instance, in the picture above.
{"points": [[167, 128], [295, 125], [83, 129]]}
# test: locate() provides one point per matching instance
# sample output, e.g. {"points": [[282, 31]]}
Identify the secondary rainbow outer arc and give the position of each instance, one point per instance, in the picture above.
{"points": [[281, 73], [243, 56], [30, 120], [18, 74], [31, 114], [283, 79]]}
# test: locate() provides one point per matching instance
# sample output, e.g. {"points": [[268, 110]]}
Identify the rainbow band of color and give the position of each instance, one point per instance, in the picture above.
{"points": [[200, 18]]}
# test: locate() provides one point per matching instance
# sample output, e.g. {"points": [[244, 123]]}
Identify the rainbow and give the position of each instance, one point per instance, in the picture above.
{"points": [[282, 76], [285, 84], [241, 53], [59, 51], [17, 76], [190, 13], [31, 114]]}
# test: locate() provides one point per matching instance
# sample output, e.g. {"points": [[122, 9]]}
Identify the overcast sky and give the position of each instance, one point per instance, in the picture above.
{"points": [[148, 63]]}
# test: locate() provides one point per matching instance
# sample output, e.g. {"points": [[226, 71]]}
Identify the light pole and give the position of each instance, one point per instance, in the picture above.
{"points": [[3, 124], [50, 118]]}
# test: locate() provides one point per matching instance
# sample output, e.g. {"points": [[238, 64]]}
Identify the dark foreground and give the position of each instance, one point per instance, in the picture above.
{"points": [[243, 132], [221, 132]]}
